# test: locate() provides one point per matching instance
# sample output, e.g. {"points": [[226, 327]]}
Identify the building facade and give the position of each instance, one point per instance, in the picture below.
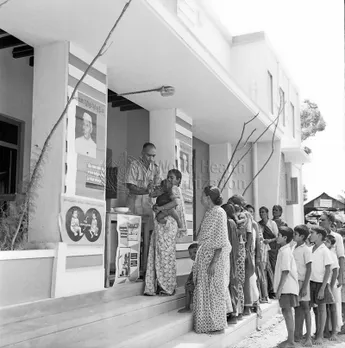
{"points": [[220, 82]]}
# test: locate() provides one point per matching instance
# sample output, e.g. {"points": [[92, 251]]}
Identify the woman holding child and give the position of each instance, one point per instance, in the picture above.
{"points": [[212, 268], [161, 265], [269, 231]]}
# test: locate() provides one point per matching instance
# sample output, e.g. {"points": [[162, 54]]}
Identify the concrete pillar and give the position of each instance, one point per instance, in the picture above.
{"points": [[171, 132], [49, 99], [220, 155]]}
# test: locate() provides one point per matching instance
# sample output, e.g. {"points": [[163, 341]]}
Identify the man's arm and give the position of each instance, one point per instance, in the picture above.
{"points": [[137, 190]]}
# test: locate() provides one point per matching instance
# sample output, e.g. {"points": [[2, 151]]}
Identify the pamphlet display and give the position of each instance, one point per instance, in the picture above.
{"points": [[128, 250]]}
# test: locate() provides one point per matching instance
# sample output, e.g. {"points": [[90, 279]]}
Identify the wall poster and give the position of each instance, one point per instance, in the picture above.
{"points": [[82, 221], [89, 133], [128, 250]]}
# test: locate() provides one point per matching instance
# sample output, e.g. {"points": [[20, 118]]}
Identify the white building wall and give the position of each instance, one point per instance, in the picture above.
{"points": [[196, 16], [16, 86]]}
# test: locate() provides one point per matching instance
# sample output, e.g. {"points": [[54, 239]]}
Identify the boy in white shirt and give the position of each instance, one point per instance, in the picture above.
{"points": [[302, 254], [331, 308], [320, 293], [286, 282]]}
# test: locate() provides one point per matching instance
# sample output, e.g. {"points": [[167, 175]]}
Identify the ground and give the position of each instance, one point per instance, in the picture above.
{"points": [[274, 332]]}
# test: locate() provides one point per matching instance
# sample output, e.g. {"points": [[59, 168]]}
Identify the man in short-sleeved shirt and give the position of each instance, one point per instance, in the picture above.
{"points": [[142, 175]]}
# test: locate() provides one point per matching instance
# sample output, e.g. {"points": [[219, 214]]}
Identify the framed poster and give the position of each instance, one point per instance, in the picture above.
{"points": [[82, 221], [128, 251]]}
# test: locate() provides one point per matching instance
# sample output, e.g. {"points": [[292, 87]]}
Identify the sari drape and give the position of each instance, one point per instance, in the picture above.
{"points": [[161, 264]]}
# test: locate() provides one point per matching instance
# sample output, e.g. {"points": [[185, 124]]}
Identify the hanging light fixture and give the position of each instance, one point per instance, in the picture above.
{"points": [[165, 91]]}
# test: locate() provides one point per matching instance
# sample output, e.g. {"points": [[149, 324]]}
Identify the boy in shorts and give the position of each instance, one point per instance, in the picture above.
{"points": [[189, 286], [331, 308], [320, 293], [302, 254], [286, 284]]}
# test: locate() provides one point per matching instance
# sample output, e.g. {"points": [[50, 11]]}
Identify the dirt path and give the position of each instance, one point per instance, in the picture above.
{"points": [[274, 332]]}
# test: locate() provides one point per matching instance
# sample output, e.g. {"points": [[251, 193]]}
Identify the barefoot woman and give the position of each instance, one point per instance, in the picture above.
{"points": [[212, 267]]}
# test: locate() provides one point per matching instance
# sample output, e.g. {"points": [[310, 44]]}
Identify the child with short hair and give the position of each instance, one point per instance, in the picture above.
{"points": [[331, 308], [189, 286], [341, 231], [302, 254], [320, 293], [286, 282], [165, 197]]}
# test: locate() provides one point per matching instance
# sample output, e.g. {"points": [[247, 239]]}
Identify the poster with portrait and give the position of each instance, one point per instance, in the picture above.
{"points": [[128, 250], [82, 221], [184, 158], [86, 149]]}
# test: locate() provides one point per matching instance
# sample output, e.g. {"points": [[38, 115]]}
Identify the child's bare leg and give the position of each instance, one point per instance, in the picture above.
{"points": [[334, 322], [186, 308], [321, 311], [299, 318], [290, 326], [307, 316], [161, 217], [174, 215]]}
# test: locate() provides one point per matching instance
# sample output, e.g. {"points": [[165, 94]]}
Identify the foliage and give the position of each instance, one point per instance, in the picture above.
{"points": [[307, 150], [311, 119], [305, 193]]}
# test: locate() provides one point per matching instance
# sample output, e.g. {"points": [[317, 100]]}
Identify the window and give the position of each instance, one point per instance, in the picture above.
{"points": [[293, 125], [270, 92], [282, 101], [9, 157], [294, 191]]}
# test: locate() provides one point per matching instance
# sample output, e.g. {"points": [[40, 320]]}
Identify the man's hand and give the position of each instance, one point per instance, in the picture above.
{"points": [[156, 208], [278, 294], [150, 186], [266, 241], [340, 280]]}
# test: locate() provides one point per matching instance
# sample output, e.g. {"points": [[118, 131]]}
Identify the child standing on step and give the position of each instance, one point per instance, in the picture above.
{"points": [[189, 286], [302, 254], [286, 283]]}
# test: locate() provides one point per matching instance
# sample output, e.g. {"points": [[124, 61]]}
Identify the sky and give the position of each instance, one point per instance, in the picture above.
{"points": [[308, 37]]}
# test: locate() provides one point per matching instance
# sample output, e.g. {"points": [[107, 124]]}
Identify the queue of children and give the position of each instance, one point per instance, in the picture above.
{"points": [[302, 272]]}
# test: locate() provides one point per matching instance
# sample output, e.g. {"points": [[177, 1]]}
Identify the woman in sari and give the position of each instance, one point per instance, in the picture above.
{"points": [[269, 231], [277, 212], [212, 267], [161, 264], [234, 242]]}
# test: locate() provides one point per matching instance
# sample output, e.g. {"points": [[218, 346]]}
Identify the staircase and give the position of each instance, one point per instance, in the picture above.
{"points": [[114, 318]]}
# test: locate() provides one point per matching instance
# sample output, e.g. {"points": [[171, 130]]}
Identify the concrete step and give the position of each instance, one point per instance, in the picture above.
{"points": [[233, 334], [42, 308], [81, 324]]}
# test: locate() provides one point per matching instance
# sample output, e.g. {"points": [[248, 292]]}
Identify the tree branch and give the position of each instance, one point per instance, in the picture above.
{"points": [[52, 131], [4, 3], [280, 110], [238, 143]]}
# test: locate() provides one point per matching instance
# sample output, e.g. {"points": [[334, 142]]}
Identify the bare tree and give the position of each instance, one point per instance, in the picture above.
{"points": [[36, 170], [276, 122]]}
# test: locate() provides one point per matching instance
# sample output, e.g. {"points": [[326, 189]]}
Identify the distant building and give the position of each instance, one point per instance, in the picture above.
{"points": [[323, 202]]}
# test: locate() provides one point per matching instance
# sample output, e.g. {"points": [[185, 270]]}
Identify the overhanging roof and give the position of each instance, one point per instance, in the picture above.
{"points": [[148, 51]]}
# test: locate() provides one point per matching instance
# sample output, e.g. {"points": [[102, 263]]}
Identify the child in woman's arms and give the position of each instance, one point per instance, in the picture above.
{"points": [[189, 286], [164, 198]]}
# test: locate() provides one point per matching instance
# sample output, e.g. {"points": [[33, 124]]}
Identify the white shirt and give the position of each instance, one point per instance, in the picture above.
{"points": [[302, 255], [286, 262], [335, 264], [339, 245], [86, 147], [320, 258]]}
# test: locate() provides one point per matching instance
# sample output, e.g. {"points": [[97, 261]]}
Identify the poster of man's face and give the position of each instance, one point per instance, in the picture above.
{"points": [[85, 132]]}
